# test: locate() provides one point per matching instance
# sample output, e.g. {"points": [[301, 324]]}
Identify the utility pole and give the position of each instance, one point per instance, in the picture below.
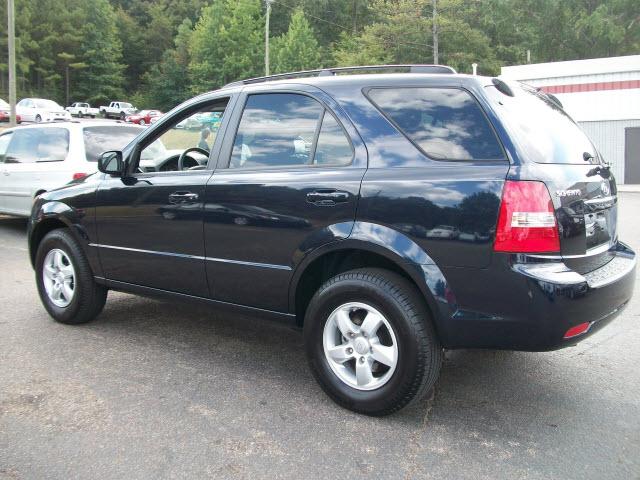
{"points": [[434, 28], [12, 61], [266, 38]]}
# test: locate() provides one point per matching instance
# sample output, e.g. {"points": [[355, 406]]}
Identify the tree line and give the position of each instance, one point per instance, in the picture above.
{"points": [[157, 53]]}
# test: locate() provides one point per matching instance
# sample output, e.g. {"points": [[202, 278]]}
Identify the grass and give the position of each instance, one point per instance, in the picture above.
{"points": [[179, 139]]}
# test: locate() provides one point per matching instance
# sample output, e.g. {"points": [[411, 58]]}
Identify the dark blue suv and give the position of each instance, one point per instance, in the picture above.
{"points": [[388, 215]]}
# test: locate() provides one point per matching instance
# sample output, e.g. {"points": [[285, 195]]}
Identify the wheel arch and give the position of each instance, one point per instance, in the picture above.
{"points": [[40, 230], [373, 246], [50, 216]]}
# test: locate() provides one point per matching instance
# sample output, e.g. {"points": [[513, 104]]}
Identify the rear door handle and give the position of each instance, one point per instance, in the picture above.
{"points": [[328, 197], [183, 197]]}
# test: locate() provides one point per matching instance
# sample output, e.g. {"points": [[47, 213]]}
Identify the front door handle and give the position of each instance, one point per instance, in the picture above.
{"points": [[328, 197], [183, 197]]}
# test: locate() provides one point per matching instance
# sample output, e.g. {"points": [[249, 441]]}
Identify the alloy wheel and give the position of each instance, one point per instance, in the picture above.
{"points": [[360, 346], [58, 277]]}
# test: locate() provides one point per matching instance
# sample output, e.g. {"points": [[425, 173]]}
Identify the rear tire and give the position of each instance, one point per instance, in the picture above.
{"points": [[65, 280], [38, 118], [410, 365]]}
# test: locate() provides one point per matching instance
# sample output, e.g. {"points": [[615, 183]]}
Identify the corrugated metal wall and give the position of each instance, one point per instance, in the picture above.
{"points": [[608, 137]]}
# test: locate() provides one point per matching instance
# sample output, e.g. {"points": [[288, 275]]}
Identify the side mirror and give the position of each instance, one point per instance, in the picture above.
{"points": [[111, 163]]}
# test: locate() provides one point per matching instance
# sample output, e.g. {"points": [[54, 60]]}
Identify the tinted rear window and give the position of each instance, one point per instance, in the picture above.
{"points": [[445, 123], [546, 132], [104, 138]]}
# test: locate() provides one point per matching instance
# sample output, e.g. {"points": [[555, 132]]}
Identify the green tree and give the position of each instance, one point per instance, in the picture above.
{"points": [[101, 51], [227, 44], [134, 51], [402, 33], [24, 44], [297, 49], [167, 84]]}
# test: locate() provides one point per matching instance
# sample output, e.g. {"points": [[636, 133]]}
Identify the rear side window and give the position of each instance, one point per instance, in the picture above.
{"points": [[98, 140], [445, 123], [333, 147], [282, 129], [276, 130], [38, 145]]}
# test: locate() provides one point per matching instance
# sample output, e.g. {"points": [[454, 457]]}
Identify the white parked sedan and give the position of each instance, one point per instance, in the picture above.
{"points": [[37, 158], [41, 110]]}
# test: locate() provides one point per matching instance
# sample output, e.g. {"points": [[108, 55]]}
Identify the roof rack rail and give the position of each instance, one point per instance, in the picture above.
{"points": [[327, 72]]}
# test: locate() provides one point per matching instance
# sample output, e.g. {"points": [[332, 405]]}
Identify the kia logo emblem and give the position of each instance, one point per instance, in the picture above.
{"points": [[605, 188]]}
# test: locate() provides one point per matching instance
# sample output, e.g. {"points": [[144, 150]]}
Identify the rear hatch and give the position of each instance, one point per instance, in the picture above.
{"points": [[556, 151]]}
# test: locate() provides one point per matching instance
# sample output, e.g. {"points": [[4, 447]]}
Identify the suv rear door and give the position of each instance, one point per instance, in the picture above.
{"points": [[287, 182], [556, 151]]}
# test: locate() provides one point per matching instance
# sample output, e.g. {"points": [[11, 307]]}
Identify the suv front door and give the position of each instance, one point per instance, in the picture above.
{"points": [[150, 220], [288, 182]]}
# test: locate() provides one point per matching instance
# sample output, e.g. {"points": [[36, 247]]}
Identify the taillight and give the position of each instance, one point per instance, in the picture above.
{"points": [[527, 223], [79, 175]]}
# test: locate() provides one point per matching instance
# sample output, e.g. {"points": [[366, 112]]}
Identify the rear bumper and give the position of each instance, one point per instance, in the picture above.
{"points": [[530, 306]]}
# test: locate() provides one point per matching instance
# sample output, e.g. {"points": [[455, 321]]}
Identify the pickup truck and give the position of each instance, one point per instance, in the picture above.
{"points": [[82, 109], [117, 110]]}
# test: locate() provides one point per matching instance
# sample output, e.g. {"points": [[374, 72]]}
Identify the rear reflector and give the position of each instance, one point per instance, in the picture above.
{"points": [[527, 223], [78, 176], [577, 330]]}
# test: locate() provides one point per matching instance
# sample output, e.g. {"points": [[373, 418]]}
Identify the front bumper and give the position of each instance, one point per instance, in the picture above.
{"points": [[531, 306]]}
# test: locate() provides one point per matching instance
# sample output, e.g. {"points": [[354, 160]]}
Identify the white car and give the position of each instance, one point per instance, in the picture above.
{"points": [[38, 158], [41, 110], [443, 231]]}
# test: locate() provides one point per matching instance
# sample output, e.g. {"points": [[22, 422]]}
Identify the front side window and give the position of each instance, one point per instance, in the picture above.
{"points": [[53, 145], [198, 130], [445, 123], [38, 145]]}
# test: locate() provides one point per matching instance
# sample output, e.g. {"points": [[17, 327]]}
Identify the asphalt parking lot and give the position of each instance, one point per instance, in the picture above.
{"points": [[159, 390]]}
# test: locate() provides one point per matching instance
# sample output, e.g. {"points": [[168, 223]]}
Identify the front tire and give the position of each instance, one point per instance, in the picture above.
{"points": [[370, 342], [38, 118], [65, 280]]}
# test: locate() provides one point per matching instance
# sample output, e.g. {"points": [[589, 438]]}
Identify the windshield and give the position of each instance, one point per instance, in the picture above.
{"points": [[103, 138], [47, 104], [546, 132]]}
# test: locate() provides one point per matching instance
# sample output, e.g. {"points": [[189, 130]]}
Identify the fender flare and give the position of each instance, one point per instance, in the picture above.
{"points": [[44, 212], [398, 248]]}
